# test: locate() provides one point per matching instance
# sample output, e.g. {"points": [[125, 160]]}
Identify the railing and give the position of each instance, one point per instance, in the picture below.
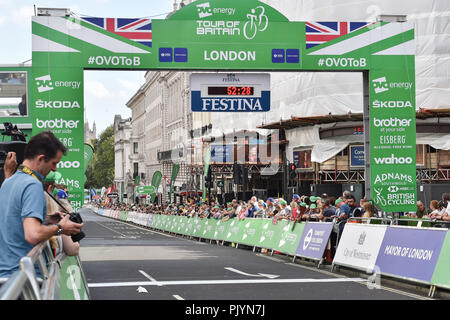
{"points": [[25, 284], [371, 220]]}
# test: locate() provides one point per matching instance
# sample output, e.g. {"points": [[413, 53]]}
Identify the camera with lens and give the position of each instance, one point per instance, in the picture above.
{"points": [[76, 217], [17, 145]]}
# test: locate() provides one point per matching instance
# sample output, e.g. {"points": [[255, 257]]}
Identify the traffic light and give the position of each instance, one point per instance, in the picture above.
{"points": [[292, 173], [244, 175]]}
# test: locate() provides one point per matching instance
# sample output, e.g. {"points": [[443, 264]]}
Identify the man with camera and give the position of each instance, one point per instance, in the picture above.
{"points": [[23, 205]]}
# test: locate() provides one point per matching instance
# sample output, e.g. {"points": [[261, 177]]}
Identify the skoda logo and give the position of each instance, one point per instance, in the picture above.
{"points": [[308, 239]]}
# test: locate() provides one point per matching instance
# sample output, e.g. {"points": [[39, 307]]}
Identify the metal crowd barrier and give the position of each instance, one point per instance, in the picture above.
{"points": [[25, 284], [371, 220], [422, 223]]}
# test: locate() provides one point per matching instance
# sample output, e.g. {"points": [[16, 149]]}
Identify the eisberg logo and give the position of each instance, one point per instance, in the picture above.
{"points": [[391, 104], [391, 122], [382, 85], [204, 10], [57, 124], [57, 104], [394, 160], [68, 164], [44, 83]]}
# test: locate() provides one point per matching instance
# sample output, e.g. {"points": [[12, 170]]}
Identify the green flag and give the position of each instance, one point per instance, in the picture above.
{"points": [[206, 161], [156, 180], [175, 169]]}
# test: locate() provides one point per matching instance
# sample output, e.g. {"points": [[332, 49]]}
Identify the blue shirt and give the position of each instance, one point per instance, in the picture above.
{"points": [[21, 196]]}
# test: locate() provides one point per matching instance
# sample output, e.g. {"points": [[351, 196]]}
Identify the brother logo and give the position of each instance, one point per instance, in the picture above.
{"points": [[57, 124]]}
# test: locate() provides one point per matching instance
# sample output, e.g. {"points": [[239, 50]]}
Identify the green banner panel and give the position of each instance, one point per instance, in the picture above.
{"points": [[289, 239], [72, 286], [441, 275], [250, 231], [234, 231], [198, 225], [209, 229], [270, 234]]}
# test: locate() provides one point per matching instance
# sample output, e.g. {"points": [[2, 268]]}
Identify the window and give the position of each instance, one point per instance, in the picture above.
{"points": [[302, 159], [135, 169], [135, 147], [420, 155], [13, 93]]}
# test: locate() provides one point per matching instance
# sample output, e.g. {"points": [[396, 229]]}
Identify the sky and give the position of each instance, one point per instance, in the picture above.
{"points": [[106, 92]]}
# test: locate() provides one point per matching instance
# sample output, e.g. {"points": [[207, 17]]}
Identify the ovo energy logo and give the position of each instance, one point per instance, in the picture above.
{"points": [[44, 83], [204, 10], [382, 85]]}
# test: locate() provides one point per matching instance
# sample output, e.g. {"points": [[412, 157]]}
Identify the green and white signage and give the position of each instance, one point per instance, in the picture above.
{"points": [[232, 35]]}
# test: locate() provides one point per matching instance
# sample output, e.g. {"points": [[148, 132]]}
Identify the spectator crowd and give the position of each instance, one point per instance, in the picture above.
{"points": [[300, 208]]}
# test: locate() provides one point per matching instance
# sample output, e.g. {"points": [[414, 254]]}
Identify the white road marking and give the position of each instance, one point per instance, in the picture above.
{"points": [[270, 276], [207, 282], [150, 278], [177, 297]]}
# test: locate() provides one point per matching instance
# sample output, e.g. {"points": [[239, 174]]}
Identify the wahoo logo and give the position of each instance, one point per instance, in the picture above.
{"points": [[68, 165], [44, 83], [394, 160], [204, 10], [380, 85]]}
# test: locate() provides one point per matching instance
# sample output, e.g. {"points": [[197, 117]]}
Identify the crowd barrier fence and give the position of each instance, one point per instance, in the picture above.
{"points": [[417, 254], [61, 277]]}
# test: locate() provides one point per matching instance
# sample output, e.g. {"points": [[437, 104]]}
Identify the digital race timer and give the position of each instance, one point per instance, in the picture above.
{"points": [[231, 91]]}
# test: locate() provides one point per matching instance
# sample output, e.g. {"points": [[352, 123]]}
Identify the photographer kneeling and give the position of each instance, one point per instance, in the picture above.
{"points": [[23, 206]]}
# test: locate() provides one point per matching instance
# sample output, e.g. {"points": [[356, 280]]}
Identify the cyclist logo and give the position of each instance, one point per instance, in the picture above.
{"points": [[258, 21], [379, 198]]}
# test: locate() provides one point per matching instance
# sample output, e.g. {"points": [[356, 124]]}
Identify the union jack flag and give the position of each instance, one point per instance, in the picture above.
{"points": [[321, 32], [139, 30]]}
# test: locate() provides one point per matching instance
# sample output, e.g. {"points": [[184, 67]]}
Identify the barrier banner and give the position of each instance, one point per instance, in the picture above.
{"points": [[181, 225], [314, 240], [289, 240], [270, 234], [441, 276], [208, 231], [234, 231], [221, 227], [250, 232], [410, 252], [359, 246], [197, 228], [149, 220]]}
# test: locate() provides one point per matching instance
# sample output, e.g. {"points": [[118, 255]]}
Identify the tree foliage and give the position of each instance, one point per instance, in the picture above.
{"points": [[100, 172]]}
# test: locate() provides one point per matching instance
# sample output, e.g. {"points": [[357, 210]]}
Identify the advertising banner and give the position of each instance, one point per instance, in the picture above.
{"points": [[289, 239], [314, 240], [357, 156], [234, 231], [410, 252], [359, 246], [197, 227], [441, 276], [156, 180], [270, 234], [251, 231], [221, 153], [149, 220]]}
